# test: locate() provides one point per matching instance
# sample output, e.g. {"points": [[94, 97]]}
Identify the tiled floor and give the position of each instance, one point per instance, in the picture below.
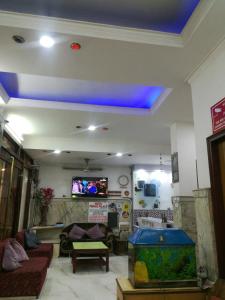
{"points": [[90, 282]]}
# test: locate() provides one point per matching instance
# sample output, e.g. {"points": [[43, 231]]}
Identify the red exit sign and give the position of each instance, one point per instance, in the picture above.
{"points": [[218, 116]]}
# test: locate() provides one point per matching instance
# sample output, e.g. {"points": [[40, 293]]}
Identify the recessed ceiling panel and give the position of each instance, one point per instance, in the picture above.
{"points": [[161, 15], [23, 86]]}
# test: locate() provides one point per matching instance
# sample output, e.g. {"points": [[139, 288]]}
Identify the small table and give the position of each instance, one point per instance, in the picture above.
{"points": [[92, 249]]}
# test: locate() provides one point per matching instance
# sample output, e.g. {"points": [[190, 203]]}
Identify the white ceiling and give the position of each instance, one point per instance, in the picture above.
{"points": [[97, 159], [108, 59]]}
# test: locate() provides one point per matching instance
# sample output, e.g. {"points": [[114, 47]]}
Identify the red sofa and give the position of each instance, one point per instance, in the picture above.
{"points": [[24, 281], [45, 250]]}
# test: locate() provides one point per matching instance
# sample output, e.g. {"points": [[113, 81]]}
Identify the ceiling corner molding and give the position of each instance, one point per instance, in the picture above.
{"points": [[161, 99], [19, 102], [206, 61], [64, 26], [196, 19]]}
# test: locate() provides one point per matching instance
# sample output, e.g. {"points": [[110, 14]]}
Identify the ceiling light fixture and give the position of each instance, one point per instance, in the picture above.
{"points": [[119, 154], [75, 46], [18, 39], [57, 152], [91, 127], [46, 41]]}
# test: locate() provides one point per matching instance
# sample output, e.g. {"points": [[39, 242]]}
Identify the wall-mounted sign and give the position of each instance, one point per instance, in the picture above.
{"points": [[218, 116], [98, 212]]}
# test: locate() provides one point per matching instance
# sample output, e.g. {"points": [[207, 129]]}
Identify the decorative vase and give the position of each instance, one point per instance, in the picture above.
{"points": [[43, 215]]}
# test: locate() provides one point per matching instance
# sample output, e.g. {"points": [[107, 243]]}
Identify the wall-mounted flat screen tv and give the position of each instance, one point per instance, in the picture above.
{"points": [[90, 187]]}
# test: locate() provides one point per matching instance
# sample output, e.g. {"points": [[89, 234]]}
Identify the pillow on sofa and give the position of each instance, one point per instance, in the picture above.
{"points": [[20, 252], [9, 261], [76, 233], [95, 232], [31, 240]]}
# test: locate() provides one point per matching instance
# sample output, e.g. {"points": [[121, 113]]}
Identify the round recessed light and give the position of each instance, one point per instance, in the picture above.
{"points": [[46, 41], [119, 154], [57, 152], [18, 39], [91, 127]]}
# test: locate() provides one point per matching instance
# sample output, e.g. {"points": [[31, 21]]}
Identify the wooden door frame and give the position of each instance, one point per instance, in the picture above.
{"points": [[217, 197]]}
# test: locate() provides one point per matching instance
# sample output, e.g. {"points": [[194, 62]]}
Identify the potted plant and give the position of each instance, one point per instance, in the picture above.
{"points": [[44, 197]]}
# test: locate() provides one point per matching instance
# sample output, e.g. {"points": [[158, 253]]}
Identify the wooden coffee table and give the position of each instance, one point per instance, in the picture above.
{"points": [[90, 249]]}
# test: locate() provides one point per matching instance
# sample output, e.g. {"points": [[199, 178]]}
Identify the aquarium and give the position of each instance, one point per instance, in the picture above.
{"points": [[161, 258]]}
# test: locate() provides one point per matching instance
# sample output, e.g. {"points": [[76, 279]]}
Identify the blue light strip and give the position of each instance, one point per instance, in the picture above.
{"points": [[108, 94]]}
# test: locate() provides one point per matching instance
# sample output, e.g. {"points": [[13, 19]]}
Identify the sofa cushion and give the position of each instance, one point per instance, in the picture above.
{"points": [[10, 258], [31, 240], [95, 232], [20, 252], [76, 232], [26, 281], [44, 250]]}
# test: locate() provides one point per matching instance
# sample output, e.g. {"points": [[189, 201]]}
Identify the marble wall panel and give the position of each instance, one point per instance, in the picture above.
{"points": [[184, 215], [205, 232]]}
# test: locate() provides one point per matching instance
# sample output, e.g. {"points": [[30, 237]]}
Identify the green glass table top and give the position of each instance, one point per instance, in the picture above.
{"points": [[89, 245]]}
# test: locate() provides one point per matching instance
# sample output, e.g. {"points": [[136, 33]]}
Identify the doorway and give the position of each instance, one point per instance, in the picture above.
{"points": [[216, 155], [10, 183]]}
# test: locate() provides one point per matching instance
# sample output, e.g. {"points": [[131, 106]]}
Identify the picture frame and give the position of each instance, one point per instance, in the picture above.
{"points": [[175, 167]]}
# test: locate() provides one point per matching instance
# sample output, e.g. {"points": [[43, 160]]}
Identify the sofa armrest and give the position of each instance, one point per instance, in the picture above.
{"points": [[63, 236], [109, 240]]}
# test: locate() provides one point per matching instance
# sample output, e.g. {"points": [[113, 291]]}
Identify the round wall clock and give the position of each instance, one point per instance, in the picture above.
{"points": [[123, 180]]}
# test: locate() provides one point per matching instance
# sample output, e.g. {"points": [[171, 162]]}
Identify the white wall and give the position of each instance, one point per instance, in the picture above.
{"points": [[183, 141], [162, 179], [208, 87], [60, 180]]}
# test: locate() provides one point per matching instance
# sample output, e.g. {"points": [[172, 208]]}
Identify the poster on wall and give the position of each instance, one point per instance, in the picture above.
{"points": [[98, 212], [122, 207], [218, 116], [174, 166]]}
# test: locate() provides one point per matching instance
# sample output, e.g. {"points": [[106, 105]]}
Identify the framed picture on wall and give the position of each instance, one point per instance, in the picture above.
{"points": [[174, 165]]}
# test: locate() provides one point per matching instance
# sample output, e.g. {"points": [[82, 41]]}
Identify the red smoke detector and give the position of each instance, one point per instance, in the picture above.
{"points": [[75, 46]]}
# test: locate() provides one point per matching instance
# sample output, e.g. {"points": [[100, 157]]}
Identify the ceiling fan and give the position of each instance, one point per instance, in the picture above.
{"points": [[85, 168]]}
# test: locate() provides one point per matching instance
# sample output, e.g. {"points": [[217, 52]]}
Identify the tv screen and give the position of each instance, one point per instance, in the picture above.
{"points": [[90, 187]]}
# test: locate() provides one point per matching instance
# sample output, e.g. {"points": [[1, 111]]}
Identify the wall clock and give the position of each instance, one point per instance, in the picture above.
{"points": [[123, 180]]}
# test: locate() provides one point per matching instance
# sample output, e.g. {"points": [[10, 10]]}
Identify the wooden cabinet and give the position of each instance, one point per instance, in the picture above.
{"points": [[120, 247], [125, 291]]}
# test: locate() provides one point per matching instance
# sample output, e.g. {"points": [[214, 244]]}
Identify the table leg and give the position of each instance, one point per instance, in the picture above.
{"points": [[107, 261], [74, 263]]}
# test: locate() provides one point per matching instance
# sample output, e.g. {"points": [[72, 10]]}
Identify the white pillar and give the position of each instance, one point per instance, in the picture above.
{"points": [[183, 141]]}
